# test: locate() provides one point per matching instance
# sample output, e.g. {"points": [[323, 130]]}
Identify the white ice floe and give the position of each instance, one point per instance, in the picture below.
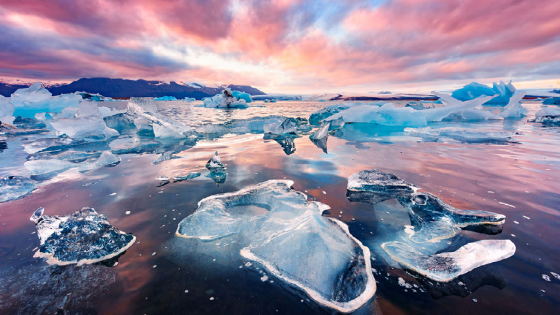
{"points": [[287, 235], [548, 115], [33, 94], [445, 267], [87, 124], [460, 134]]}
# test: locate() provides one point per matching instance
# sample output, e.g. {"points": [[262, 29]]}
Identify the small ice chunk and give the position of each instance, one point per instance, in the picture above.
{"points": [[321, 133], [288, 126], [37, 215], [82, 237], [555, 275], [546, 277], [548, 115], [214, 162], [187, 177], [445, 267], [15, 187]]}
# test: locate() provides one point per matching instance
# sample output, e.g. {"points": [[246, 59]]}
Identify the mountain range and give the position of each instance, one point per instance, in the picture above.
{"points": [[130, 88]]}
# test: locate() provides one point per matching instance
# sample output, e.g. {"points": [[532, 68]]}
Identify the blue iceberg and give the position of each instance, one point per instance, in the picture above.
{"points": [[474, 90], [165, 98]]}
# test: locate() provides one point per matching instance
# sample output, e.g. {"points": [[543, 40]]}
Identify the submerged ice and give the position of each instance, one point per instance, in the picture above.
{"points": [[287, 234], [15, 187], [83, 237]]}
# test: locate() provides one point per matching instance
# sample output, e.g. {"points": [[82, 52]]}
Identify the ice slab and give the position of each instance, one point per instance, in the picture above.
{"points": [[146, 115], [474, 90], [52, 166], [432, 219], [83, 237], [6, 110], [322, 132], [465, 135], [15, 187], [317, 117], [34, 93], [55, 104], [50, 144], [87, 125], [290, 238], [548, 115], [445, 267], [288, 126]]}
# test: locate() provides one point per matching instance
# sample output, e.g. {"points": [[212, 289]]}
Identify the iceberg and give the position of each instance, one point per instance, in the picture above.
{"points": [[460, 134], [548, 115], [214, 162], [444, 267], [285, 141], [165, 98], [288, 126], [146, 115], [287, 235], [242, 96], [548, 101], [83, 237], [87, 125], [226, 99], [33, 94], [6, 110], [54, 104], [15, 187], [474, 90], [514, 109], [390, 115], [431, 218], [317, 117]]}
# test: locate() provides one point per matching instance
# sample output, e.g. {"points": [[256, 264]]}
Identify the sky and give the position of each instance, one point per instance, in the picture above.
{"points": [[285, 46]]}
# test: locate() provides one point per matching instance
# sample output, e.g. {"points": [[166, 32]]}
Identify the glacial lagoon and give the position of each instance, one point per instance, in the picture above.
{"points": [[145, 189]]}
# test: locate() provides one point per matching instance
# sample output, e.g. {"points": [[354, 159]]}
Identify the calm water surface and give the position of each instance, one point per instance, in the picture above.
{"points": [[519, 180]]}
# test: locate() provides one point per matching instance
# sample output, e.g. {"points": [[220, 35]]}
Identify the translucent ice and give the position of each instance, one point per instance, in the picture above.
{"points": [[242, 96], [289, 237], [83, 237], [106, 159], [214, 162], [317, 117], [6, 110], [32, 94], [288, 126], [474, 90], [52, 166], [460, 134], [447, 266], [49, 144], [15, 187], [548, 115], [145, 115], [55, 104], [191, 175], [432, 219], [87, 125], [226, 99], [321, 133], [514, 109]]}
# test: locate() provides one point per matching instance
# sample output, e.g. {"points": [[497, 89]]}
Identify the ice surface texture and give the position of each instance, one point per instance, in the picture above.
{"points": [[15, 187], [474, 90], [432, 219], [288, 126], [514, 109], [87, 124], [83, 237], [548, 101], [460, 134], [548, 115], [144, 113], [289, 237], [445, 267]]}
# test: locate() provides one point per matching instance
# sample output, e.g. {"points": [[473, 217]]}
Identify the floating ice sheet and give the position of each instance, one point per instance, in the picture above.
{"points": [[15, 187], [445, 267], [461, 134], [83, 237], [548, 115], [291, 239]]}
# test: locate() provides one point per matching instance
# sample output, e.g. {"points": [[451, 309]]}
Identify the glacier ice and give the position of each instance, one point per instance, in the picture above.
{"points": [[317, 117], [165, 98], [444, 267], [51, 144], [214, 162], [288, 236], [285, 141], [87, 124], [242, 96], [34, 93], [548, 101], [226, 99], [52, 166], [54, 104], [82, 237], [15, 187], [514, 109], [432, 219], [475, 90], [465, 135], [548, 115], [390, 115], [288, 126], [105, 159]]}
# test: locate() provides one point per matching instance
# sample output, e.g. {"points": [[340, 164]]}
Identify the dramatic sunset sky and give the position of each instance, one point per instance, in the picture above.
{"points": [[284, 45]]}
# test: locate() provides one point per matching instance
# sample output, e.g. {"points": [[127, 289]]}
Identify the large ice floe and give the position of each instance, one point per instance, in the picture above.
{"points": [[87, 124], [474, 90], [445, 267], [548, 115], [390, 115], [287, 234], [227, 99], [60, 163], [465, 135], [15, 187], [431, 221], [83, 237]]}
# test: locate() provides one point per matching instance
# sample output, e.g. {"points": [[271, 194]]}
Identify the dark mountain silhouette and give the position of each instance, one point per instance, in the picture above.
{"points": [[130, 88]]}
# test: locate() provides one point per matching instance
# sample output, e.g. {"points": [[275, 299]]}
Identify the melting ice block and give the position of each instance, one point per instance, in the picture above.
{"points": [[548, 115], [514, 109], [474, 90], [83, 237], [146, 117], [87, 125], [289, 237], [445, 267], [460, 134], [15, 187], [431, 218], [32, 94], [288, 126], [321, 133]]}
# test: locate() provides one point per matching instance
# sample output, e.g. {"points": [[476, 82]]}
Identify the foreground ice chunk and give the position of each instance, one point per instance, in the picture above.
{"points": [[514, 109], [290, 238], [288, 126], [32, 94], [214, 162], [474, 90], [87, 125], [445, 267], [15, 187], [146, 117], [548, 115], [321, 133], [83, 237], [460, 134], [432, 219]]}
